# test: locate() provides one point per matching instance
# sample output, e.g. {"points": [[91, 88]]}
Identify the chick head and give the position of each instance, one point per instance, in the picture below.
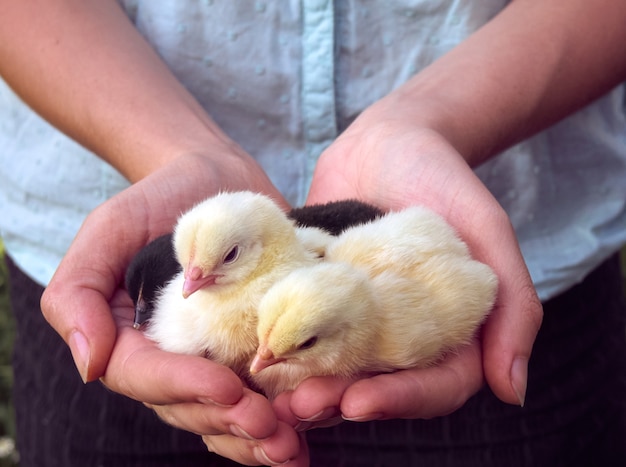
{"points": [[221, 240], [316, 317]]}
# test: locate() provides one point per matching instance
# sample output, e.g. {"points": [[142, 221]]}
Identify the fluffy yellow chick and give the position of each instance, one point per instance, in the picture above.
{"points": [[396, 293], [232, 248]]}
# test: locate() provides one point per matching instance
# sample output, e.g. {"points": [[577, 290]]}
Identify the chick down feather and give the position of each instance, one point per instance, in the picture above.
{"points": [[150, 269], [232, 248], [392, 294], [156, 264]]}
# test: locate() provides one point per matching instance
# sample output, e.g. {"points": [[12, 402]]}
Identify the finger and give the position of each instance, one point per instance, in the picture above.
{"points": [[284, 447], [511, 328], [303, 457], [75, 303], [140, 370], [251, 418], [416, 393], [508, 338], [314, 402], [327, 416], [281, 405], [82, 317]]}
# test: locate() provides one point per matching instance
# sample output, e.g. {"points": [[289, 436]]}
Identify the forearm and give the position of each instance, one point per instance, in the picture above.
{"points": [[532, 65], [84, 67]]}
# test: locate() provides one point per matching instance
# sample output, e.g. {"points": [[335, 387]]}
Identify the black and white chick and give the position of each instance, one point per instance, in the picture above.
{"points": [[232, 248], [151, 268], [336, 216], [156, 263]]}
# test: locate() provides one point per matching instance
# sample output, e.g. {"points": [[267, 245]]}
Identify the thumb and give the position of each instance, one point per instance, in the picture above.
{"points": [[510, 331], [508, 339], [83, 319], [76, 302]]}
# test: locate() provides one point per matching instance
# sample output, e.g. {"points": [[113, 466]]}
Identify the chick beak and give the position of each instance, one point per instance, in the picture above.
{"points": [[196, 280], [263, 358]]}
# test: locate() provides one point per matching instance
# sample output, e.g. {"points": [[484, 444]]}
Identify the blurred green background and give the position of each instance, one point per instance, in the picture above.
{"points": [[8, 456]]}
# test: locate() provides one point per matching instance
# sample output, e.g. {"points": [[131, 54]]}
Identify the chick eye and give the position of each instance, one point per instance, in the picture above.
{"points": [[232, 255], [308, 343]]}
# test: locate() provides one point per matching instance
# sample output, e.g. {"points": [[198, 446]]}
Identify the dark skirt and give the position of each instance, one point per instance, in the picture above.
{"points": [[575, 412]]}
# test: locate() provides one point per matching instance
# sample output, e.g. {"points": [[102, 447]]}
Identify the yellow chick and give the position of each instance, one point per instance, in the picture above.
{"points": [[395, 293], [315, 321], [232, 248]]}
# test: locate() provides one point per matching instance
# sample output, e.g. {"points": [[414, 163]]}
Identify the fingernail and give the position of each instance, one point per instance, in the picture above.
{"points": [[81, 353], [364, 418], [328, 412], [302, 426], [262, 457], [240, 432], [207, 401], [519, 378]]}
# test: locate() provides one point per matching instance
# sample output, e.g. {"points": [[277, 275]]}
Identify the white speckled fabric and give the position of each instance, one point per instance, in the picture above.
{"points": [[283, 78]]}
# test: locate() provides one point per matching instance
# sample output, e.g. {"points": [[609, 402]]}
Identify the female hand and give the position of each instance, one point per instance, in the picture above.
{"points": [[86, 303], [386, 161]]}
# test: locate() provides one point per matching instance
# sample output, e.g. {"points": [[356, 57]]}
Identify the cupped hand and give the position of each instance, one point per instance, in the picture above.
{"points": [[389, 161], [87, 305], [414, 393]]}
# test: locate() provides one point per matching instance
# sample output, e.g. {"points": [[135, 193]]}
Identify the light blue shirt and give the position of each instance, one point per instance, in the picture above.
{"points": [[283, 79]]}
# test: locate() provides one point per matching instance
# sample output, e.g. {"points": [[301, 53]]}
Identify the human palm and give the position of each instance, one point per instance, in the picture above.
{"points": [[392, 164]]}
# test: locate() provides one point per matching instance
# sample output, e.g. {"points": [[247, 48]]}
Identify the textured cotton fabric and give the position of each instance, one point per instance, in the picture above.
{"points": [[283, 79]]}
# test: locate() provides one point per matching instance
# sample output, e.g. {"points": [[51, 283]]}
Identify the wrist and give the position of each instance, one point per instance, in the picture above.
{"points": [[420, 107]]}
